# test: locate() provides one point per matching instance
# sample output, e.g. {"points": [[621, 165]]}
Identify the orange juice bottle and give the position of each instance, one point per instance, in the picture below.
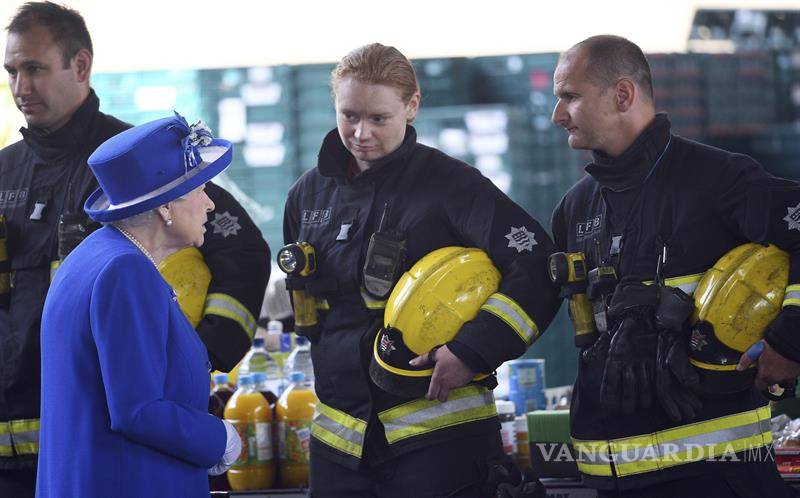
{"points": [[294, 412], [250, 413]]}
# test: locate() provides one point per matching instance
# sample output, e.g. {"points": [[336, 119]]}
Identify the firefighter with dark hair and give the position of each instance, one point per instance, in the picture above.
{"points": [[44, 181]]}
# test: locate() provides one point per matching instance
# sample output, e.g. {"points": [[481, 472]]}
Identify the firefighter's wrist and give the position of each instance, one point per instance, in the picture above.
{"points": [[468, 356], [782, 334]]}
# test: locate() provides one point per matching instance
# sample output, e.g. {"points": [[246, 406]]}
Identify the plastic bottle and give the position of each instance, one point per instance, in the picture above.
{"points": [[523, 446], [250, 413], [261, 385], [294, 412], [508, 431], [259, 360], [220, 395], [274, 335], [299, 359]]}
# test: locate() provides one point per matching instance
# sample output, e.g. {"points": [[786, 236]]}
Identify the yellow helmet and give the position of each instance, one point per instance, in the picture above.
{"points": [[426, 308], [187, 273], [735, 302]]}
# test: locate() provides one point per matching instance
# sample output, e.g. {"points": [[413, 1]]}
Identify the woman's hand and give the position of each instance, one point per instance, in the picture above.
{"points": [[233, 447], [449, 372]]}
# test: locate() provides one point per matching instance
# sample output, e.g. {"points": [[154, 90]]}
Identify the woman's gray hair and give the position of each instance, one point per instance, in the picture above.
{"points": [[141, 219]]}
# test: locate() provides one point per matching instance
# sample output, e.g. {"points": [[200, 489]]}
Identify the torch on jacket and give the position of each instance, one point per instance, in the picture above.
{"points": [[434, 201]]}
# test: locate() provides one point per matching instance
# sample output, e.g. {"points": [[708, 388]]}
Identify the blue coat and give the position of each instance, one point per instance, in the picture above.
{"points": [[125, 382]]}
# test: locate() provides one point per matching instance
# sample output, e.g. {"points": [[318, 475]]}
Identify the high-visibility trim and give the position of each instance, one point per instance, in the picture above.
{"points": [[322, 305], [5, 439], [689, 443], [372, 303], [53, 268], [792, 296], [399, 371], [687, 283], [465, 404], [339, 430], [228, 307], [506, 309], [711, 366]]}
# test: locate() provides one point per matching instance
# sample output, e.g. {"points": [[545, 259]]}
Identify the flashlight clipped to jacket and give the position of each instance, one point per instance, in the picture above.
{"points": [[568, 269], [299, 262]]}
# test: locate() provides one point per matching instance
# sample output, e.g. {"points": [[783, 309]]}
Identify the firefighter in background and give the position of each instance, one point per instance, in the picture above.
{"points": [[654, 213], [44, 181], [376, 203]]}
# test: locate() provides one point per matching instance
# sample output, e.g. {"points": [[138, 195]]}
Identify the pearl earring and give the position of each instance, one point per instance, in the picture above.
{"points": [[168, 222]]}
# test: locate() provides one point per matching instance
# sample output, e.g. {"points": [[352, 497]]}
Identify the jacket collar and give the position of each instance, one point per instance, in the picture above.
{"points": [[70, 138], [334, 157], [631, 168]]}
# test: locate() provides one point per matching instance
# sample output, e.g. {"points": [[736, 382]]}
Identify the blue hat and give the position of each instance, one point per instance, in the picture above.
{"points": [[154, 163]]}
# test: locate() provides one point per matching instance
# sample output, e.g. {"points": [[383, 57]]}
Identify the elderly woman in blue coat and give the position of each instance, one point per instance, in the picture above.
{"points": [[125, 378]]}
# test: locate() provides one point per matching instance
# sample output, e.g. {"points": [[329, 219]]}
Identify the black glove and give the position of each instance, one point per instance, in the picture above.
{"points": [[677, 381], [530, 487], [630, 365]]}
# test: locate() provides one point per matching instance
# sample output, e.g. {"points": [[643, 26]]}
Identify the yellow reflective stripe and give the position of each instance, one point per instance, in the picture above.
{"points": [[53, 268], [20, 435], [228, 307], [676, 446], [339, 430], [792, 296], [506, 309], [466, 404], [686, 283], [5, 439], [322, 304], [372, 303]]}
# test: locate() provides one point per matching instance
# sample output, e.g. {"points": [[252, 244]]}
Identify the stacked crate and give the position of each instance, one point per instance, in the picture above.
{"points": [[678, 89], [253, 108], [739, 96], [314, 110], [140, 97], [787, 80]]}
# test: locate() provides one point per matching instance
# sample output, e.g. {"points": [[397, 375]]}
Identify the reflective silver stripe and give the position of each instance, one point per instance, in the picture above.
{"points": [[5, 440], [502, 307], [668, 448], [228, 307], [687, 283], [25, 437], [792, 296], [338, 429], [421, 417]]}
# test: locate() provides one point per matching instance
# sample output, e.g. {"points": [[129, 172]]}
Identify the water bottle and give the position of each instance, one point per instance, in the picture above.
{"points": [[299, 359], [259, 360]]}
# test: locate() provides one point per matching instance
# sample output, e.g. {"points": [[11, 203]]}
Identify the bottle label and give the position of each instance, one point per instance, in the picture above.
{"points": [[256, 443], [294, 440], [508, 434]]}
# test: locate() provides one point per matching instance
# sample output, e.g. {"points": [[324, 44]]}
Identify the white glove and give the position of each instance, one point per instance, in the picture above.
{"points": [[233, 447]]}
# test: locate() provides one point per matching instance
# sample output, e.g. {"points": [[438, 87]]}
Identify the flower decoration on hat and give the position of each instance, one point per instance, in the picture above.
{"points": [[193, 136]]}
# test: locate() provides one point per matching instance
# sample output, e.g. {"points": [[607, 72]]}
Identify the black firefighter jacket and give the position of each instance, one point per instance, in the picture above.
{"points": [[434, 201], [51, 171], [700, 202]]}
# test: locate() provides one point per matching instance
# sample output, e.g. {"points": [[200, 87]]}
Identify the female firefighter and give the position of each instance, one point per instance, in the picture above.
{"points": [[394, 419]]}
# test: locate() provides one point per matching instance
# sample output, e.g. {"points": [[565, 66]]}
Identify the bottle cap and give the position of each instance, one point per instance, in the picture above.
{"points": [[258, 342], [245, 380], [297, 376], [300, 340], [258, 377], [274, 327], [220, 378], [504, 406]]}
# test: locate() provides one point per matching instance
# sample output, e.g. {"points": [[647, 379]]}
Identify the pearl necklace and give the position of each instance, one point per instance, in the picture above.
{"points": [[137, 244]]}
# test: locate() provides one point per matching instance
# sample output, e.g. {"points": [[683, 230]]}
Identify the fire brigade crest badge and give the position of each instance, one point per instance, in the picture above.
{"points": [[793, 218], [521, 239], [226, 224], [387, 346]]}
